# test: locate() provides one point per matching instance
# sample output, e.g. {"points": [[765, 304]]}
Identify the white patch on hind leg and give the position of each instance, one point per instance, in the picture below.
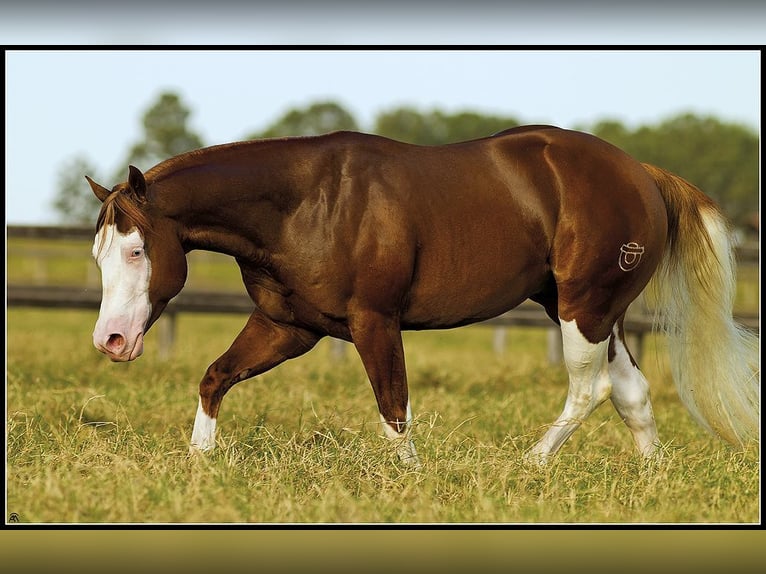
{"points": [[589, 386], [631, 399], [203, 435], [405, 448]]}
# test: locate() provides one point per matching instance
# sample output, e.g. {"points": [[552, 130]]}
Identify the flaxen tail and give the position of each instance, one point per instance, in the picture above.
{"points": [[715, 362]]}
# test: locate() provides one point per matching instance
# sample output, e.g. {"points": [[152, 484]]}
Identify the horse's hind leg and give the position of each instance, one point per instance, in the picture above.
{"points": [[630, 394], [598, 371], [589, 386]]}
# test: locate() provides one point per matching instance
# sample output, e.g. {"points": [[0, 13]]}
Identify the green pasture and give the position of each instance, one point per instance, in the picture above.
{"points": [[69, 262], [90, 441]]}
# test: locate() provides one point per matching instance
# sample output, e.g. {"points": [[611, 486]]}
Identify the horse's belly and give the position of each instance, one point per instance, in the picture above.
{"points": [[455, 298]]}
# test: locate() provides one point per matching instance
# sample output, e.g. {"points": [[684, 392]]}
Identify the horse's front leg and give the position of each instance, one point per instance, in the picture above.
{"points": [[261, 345], [377, 338]]}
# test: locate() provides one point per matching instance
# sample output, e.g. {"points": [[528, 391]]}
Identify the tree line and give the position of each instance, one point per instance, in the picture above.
{"points": [[719, 157]]}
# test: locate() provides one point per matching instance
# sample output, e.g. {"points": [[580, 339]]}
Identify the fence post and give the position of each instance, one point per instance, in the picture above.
{"points": [[338, 349], [498, 340], [166, 332], [555, 346], [635, 344]]}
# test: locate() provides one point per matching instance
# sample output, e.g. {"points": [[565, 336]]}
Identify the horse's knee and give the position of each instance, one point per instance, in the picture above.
{"points": [[630, 393], [217, 381], [631, 398]]}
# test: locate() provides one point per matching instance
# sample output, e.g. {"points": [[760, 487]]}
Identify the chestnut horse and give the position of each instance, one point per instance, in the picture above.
{"points": [[359, 237]]}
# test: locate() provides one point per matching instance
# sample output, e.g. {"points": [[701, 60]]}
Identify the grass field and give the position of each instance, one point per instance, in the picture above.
{"points": [[89, 441]]}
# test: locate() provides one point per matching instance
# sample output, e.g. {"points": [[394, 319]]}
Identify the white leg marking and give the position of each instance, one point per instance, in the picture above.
{"points": [[405, 448], [630, 396], [589, 386], [203, 435]]}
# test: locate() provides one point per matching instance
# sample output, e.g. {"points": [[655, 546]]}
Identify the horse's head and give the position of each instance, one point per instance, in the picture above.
{"points": [[143, 266]]}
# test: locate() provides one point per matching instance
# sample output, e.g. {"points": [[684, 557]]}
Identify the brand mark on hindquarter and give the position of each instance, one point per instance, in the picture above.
{"points": [[630, 255]]}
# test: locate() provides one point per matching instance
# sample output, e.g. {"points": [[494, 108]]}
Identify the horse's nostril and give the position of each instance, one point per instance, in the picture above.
{"points": [[115, 341]]}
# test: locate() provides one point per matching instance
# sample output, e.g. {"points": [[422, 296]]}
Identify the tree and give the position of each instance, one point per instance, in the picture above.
{"points": [[165, 134], [436, 127], [719, 158], [612, 131], [318, 118], [75, 202]]}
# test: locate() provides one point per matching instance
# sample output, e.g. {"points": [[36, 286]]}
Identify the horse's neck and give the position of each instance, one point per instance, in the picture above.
{"points": [[232, 214]]}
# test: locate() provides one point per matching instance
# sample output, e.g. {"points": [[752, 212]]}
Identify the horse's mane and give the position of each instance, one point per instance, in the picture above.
{"points": [[120, 202]]}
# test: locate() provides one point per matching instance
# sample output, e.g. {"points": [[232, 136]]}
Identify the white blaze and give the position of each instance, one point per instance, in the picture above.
{"points": [[125, 306]]}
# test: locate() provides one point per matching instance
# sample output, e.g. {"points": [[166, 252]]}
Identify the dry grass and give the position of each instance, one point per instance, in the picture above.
{"points": [[94, 442]]}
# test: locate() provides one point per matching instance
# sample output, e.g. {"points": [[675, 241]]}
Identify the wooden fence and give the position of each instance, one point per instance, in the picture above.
{"points": [[638, 321]]}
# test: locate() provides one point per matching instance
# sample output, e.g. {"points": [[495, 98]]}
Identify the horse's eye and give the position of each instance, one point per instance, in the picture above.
{"points": [[137, 252]]}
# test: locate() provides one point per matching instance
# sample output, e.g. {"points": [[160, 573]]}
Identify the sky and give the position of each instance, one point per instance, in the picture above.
{"points": [[86, 100]]}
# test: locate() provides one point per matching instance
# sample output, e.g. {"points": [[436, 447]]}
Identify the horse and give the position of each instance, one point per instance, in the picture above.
{"points": [[358, 237]]}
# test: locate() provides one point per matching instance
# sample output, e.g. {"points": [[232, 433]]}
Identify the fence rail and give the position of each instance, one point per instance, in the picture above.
{"points": [[638, 321], [51, 232], [747, 252]]}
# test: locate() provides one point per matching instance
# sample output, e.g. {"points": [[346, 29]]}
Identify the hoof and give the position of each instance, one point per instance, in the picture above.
{"points": [[408, 455], [196, 450], [536, 459]]}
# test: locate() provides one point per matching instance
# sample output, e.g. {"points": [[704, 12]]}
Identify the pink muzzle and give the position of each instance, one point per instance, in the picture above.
{"points": [[117, 341]]}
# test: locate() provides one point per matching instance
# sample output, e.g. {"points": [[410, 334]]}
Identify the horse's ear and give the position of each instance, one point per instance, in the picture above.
{"points": [[136, 182], [100, 191]]}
